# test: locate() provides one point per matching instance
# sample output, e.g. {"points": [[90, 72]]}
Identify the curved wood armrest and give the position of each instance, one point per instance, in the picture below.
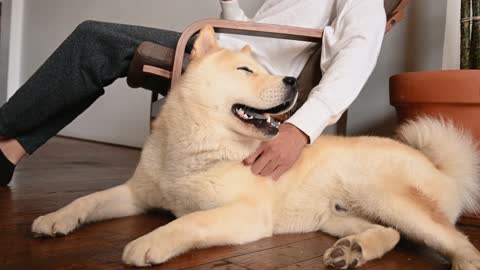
{"points": [[397, 15], [243, 28]]}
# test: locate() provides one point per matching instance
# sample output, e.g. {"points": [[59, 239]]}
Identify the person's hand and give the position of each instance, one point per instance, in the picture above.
{"points": [[275, 157]]}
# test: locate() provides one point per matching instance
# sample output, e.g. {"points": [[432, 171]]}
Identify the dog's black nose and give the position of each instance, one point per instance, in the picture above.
{"points": [[292, 81]]}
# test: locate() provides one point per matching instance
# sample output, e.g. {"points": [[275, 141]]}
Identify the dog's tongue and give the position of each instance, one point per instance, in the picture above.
{"points": [[264, 119], [256, 115], [266, 123], [270, 120]]}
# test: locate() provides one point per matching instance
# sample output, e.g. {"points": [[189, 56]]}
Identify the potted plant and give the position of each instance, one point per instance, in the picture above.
{"points": [[453, 94], [450, 94]]}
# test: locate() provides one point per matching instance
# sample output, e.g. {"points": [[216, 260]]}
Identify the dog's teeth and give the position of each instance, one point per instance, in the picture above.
{"points": [[276, 123], [273, 122]]}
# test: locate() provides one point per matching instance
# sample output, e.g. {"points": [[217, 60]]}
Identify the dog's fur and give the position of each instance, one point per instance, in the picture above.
{"points": [[346, 187]]}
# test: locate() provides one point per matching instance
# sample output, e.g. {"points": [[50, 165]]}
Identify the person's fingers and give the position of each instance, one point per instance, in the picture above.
{"points": [[260, 163], [251, 159], [279, 171], [269, 168]]}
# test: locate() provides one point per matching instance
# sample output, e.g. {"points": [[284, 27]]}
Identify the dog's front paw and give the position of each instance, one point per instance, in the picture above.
{"points": [[55, 224], [147, 251], [346, 253]]}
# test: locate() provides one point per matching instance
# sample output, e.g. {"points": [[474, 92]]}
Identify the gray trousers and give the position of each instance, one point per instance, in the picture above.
{"points": [[72, 78]]}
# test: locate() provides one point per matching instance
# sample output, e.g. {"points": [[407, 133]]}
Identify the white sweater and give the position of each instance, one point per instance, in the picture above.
{"points": [[353, 34]]}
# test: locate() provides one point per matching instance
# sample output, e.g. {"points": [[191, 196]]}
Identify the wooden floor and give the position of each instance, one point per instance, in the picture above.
{"points": [[66, 169]]}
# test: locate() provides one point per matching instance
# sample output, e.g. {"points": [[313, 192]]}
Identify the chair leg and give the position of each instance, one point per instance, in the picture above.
{"points": [[341, 126], [153, 99]]}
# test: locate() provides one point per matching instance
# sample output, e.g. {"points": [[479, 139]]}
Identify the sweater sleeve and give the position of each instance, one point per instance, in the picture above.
{"points": [[231, 11], [350, 49]]}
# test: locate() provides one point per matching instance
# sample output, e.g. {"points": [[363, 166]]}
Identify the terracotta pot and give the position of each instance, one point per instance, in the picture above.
{"points": [[454, 94], [451, 94]]}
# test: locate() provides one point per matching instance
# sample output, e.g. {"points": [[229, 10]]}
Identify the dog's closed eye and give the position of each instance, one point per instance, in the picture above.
{"points": [[245, 69]]}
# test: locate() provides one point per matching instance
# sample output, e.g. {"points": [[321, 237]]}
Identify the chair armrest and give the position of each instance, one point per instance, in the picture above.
{"points": [[396, 15]]}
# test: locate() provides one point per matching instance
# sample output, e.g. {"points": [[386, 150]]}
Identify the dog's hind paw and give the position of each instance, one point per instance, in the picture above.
{"points": [[345, 253]]}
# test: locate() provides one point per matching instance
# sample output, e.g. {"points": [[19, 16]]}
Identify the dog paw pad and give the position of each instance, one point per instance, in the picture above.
{"points": [[337, 253], [346, 253]]}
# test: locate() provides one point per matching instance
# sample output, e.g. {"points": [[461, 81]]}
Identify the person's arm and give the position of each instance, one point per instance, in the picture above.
{"points": [[231, 11], [350, 49], [351, 46]]}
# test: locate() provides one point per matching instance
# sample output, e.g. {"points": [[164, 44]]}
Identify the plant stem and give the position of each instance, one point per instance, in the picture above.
{"points": [[465, 25], [475, 42]]}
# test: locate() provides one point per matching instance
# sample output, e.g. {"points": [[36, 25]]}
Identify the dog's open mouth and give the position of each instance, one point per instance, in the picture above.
{"points": [[262, 119]]}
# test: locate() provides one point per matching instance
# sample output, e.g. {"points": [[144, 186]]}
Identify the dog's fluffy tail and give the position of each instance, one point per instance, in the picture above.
{"points": [[452, 150]]}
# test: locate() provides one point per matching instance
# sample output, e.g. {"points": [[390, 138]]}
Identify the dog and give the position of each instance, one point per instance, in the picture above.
{"points": [[364, 190]]}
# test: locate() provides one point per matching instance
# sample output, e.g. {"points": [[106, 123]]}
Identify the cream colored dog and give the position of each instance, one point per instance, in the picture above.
{"points": [[219, 113]]}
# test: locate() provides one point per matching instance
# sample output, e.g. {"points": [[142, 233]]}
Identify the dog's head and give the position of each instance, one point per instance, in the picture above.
{"points": [[235, 89]]}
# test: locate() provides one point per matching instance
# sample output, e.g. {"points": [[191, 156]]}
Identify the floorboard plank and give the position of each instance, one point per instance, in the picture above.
{"points": [[284, 256], [219, 265]]}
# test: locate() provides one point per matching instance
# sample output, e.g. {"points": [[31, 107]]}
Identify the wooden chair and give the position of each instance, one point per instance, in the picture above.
{"points": [[157, 68]]}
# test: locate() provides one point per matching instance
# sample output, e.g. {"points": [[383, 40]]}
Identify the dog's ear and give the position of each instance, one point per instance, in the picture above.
{"points": [[206, 43], [247, 49]]}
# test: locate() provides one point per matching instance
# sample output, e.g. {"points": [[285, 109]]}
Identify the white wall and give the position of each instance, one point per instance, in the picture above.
{"points": [[416, 44], [10, 47], [4, 37], [451, 49], [121, 115]]}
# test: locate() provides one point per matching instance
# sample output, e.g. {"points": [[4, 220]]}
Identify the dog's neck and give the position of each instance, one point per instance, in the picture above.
{"points": [[190, 137]]}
